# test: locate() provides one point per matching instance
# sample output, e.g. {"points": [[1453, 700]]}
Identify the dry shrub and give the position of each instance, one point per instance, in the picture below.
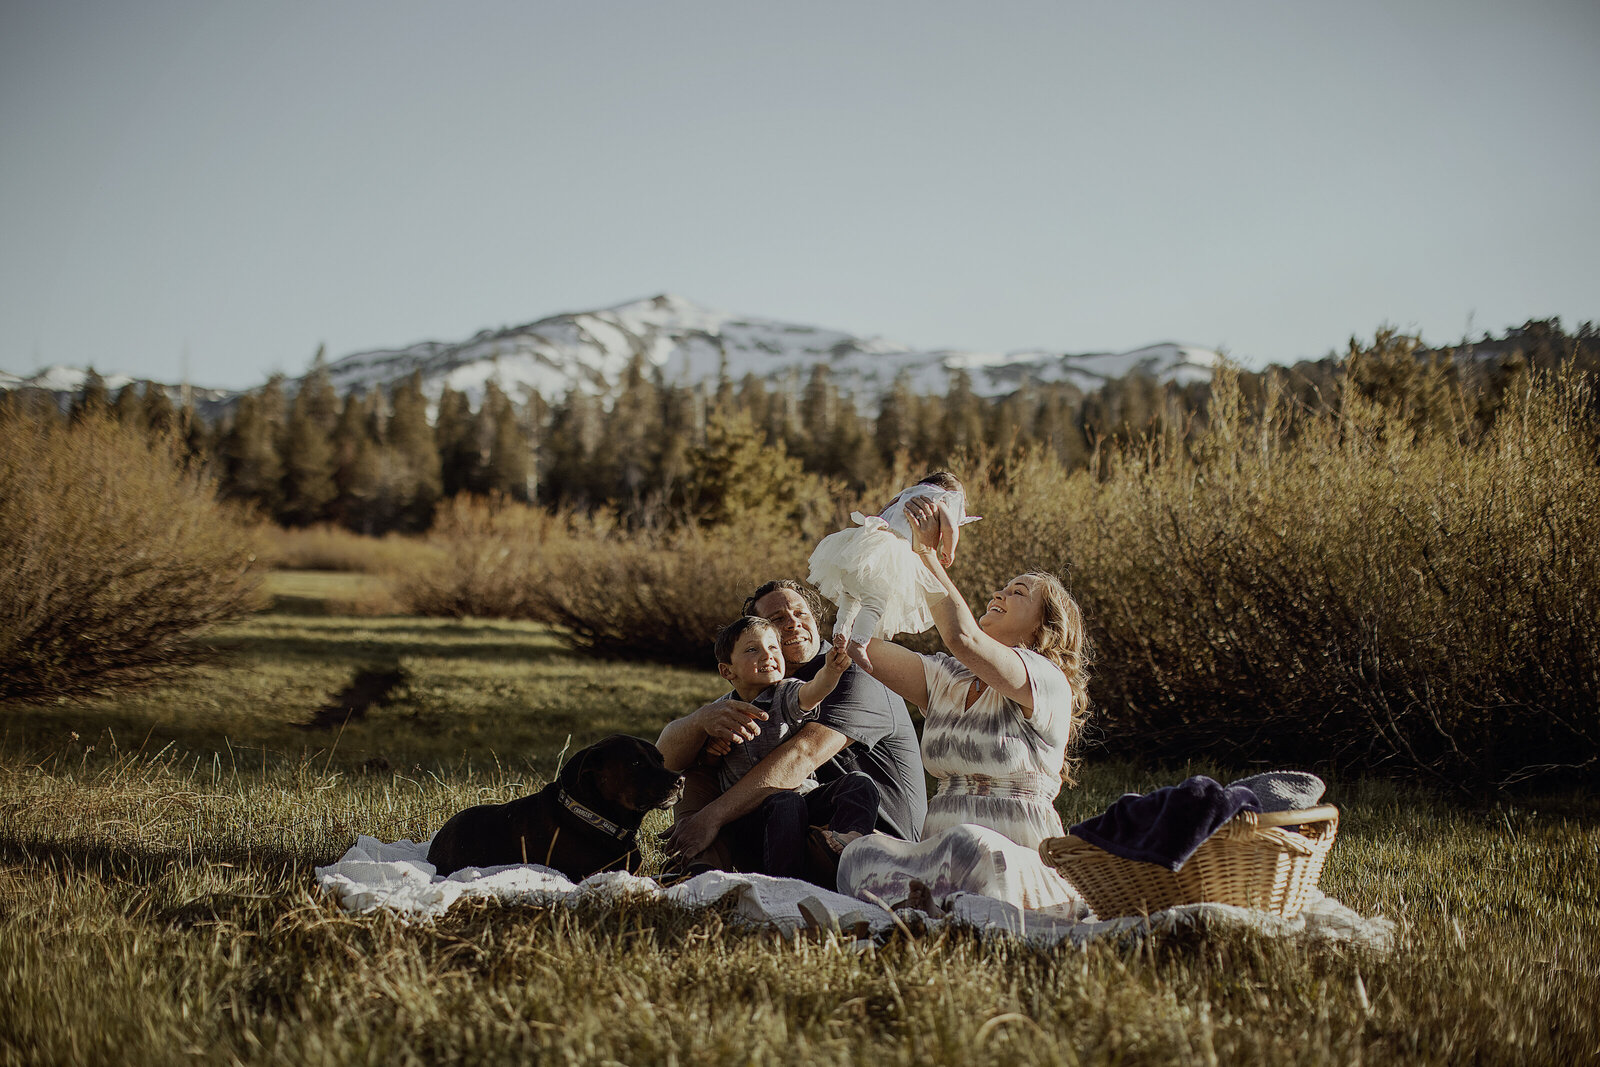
{"points": [[487, 558], [1352, 590], [1357, 594], [648, 594], [1332, 590], [333, 548], [662, 596], [116, 557]]}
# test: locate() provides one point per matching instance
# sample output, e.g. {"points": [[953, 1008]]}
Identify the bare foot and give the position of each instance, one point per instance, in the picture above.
{"points": [[858, 652], [838, 841], [921, 899]]}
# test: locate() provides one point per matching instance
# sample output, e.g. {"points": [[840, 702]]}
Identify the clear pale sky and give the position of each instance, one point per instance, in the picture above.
{"points": [[223, 186]]}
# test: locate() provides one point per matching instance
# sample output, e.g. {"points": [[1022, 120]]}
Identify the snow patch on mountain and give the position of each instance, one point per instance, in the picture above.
{"points": [[63, 379], [687, 343]]}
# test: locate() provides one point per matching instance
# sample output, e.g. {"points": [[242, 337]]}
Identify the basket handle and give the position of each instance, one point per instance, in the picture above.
{"points": [[1298, 816]]}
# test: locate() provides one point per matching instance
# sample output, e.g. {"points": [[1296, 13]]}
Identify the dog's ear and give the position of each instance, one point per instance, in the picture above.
{"points": [[577, 770]]}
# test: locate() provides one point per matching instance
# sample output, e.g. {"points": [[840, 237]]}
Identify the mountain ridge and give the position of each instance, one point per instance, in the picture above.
{"points": [[688, 343]]}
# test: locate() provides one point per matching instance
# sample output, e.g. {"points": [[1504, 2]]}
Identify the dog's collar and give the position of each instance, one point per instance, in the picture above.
{"points": [[593, 818]]}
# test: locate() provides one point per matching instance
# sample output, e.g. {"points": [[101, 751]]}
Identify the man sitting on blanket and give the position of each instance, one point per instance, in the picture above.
{"points": [[861, 727]]}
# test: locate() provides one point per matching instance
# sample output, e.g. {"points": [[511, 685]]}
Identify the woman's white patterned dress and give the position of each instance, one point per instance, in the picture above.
{"points": [[998, 775]]}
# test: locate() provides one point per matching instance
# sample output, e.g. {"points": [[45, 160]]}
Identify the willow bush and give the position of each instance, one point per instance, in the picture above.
{"points": [[488, 559], [652, 594], [1364, 586], [1333, 590], [117, 558]]}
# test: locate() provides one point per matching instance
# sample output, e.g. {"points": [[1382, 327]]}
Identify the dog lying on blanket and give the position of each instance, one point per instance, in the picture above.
{"points": [[587, 820]]}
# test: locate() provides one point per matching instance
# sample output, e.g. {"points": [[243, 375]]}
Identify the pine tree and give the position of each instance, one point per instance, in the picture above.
{"points": [[536, 427], [309, 463], [510, 466], [128, 407], [629, 456], [961, 427], [575, 429], [681, 422], [356, 472], [322, 400], [850, 452], [786, 426], [896, 414], [274, 410], [1011, 420], [754, 400], [1389, 372], [200, 439], [410, 440], [93, 399], [1058, 426], [724, 399], [456, 435], [737, 477], [156, 409], [252, 470], [819, 414]]}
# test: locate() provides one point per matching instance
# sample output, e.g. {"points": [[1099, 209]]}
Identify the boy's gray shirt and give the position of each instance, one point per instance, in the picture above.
{"points": [[781, 702]]}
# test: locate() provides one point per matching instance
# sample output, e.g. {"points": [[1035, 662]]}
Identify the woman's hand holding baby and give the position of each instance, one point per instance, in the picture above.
{"points": [[935, 532]]}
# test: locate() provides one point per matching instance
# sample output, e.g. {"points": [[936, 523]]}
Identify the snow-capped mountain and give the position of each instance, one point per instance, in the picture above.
{"points": [[591, 350], [62, 379], [65, 382]]}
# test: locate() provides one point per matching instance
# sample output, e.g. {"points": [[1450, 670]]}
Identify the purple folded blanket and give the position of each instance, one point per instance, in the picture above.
{"points": [[1165, 826]]}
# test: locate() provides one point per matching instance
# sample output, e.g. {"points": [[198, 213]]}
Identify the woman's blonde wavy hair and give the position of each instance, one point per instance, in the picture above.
{"points": [[1061, 639]]}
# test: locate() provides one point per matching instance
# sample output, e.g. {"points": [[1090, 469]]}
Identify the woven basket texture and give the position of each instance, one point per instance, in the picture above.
{"points": [[1269, 861]]}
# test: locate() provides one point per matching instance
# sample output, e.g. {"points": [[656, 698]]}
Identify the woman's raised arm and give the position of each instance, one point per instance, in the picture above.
{"points": [[898, 668], [997, 665]]}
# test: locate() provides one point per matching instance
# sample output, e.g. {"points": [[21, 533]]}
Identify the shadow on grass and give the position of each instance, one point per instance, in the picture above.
{"points": [[144, 864], [466, 642]]}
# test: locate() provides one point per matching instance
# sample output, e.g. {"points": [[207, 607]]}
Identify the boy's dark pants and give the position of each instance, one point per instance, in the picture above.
{"points": [[772, 838]]}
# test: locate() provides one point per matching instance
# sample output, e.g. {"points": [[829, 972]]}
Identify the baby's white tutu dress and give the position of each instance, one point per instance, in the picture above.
{"points": [[872, 569]]}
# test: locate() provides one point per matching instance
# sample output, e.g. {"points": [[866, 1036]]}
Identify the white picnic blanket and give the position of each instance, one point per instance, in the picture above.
{"points": [[398, 877]]}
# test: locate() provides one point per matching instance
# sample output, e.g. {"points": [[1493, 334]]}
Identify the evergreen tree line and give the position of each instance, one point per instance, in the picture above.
{"points": [[375, 462]]}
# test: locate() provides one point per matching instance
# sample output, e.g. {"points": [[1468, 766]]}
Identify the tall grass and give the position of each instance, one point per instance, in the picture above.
{"points": [[117, 558], [157, 901], [332, 548], [162, 907]]}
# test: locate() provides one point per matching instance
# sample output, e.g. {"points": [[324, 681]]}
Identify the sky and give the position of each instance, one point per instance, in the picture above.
{"points": [[210, 191]]}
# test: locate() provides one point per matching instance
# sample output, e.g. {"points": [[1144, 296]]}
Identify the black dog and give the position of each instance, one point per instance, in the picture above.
{"points": [[587, 820]]}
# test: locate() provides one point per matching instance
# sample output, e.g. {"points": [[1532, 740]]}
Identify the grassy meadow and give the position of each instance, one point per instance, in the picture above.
{"points": [[157, 901]]}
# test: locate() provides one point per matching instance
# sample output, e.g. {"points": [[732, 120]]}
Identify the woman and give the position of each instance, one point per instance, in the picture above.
{"points": [[1000, 712]]}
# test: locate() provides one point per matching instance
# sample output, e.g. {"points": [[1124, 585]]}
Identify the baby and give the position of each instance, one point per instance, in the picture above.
{"points": [[871, 572], [748, 656]]}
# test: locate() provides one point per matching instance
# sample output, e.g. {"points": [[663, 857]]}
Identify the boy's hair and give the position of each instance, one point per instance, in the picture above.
{"points": [[729, 635], [943, 480]]}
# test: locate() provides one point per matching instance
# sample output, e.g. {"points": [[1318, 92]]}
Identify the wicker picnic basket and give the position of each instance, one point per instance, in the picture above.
{"points": [[1269, 861]]}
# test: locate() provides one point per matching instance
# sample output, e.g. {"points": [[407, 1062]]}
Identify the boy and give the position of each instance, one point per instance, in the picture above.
{"points": [[749, 657]]}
